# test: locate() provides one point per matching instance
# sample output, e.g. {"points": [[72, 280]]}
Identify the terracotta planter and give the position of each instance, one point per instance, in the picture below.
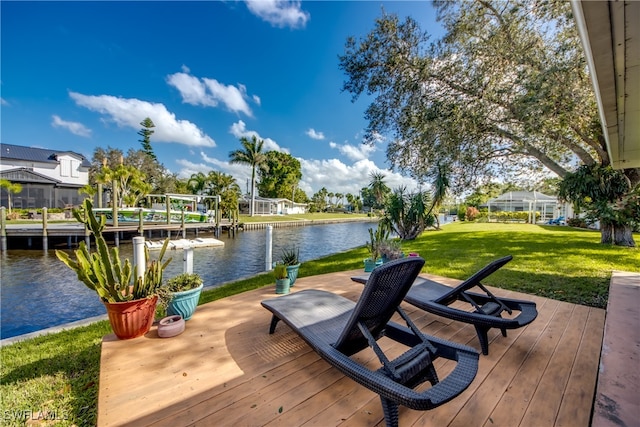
{"points": [[131, 319]]}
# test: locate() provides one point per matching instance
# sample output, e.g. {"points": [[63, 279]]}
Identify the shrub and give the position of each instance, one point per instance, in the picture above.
{"points": [[472, 213]]}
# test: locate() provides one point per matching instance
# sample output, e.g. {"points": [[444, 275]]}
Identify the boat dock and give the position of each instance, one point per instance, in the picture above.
{"points": [[39, 235]]}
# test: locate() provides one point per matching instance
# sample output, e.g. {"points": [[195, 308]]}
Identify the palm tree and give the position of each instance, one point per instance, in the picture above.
{"points": [[440, 186], [378, 187], [350, 200], [197, 183], [253, 156], [225, 186], [12, 187]]}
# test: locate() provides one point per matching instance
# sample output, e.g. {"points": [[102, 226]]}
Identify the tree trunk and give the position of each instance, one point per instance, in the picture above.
{"points": [[606, 233], [623, 235]]}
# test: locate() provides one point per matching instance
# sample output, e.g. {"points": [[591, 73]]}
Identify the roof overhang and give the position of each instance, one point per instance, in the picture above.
{"points": [[610, 33]]}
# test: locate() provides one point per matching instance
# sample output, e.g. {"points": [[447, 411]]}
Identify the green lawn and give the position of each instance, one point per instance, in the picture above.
{"points": [[59, 373]]}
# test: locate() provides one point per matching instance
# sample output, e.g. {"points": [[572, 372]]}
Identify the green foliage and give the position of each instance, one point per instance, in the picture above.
{"points": [[407, 214], [145, 133], [508, 216], [290, 255], [479, 116], [225, 186], [279, 175], [379, 189], [104, 272], [390, 249], [130, 183], [376, 238], [280, 271], [607, 195], [155, 175], [183, 282], [462, 213], [10, 187], [253, 156]]}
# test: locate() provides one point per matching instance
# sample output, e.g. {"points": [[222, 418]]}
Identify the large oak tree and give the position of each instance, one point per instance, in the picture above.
{"points": [[506, 91]]}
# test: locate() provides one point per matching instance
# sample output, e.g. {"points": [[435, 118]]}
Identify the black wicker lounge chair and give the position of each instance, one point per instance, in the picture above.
{"points": [[337, 328], [486, 309]]}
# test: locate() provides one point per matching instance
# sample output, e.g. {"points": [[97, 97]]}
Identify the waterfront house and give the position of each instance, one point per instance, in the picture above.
{"points": [[549, 207], [49, 178], [267, 206]]}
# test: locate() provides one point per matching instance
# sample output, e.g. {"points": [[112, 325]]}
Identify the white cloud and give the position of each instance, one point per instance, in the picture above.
{"points": [[239, 130], [129, 112], [4, 102], [314, 135], [339, 177], [353, 152], [240, 172], [279, 13], [210, 92], [73, 127]]}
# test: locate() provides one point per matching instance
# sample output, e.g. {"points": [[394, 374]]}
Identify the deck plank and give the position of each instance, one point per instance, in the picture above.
{"points": [[226, 366]]}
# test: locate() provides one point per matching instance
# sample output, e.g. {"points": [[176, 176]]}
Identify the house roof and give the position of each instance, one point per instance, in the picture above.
{"points": [[610, 36], [27, 175], [526, 196], [40, 155]]}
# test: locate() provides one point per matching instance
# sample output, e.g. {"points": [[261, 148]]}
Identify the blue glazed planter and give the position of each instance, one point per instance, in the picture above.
{"points": [[282, 286], [369, 265], [292, 273], [184, 303]]}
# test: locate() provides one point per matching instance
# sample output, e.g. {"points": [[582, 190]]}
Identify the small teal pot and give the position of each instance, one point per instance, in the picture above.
{"points": [[369, 264], [184, 303], [282, 286], [292, 273]]}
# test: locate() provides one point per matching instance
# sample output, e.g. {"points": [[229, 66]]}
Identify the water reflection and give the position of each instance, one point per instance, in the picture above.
{"points": [[38, 291]]}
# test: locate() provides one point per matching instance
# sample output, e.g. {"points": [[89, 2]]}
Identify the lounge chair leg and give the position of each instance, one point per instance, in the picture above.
{"points": [[390, 410], [504, 332], [274, 322], [484, 339]]}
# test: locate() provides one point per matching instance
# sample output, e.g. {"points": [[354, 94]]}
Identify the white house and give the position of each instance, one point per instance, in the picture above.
{"points": [[530, 201], [266, 206], [49, 178]]}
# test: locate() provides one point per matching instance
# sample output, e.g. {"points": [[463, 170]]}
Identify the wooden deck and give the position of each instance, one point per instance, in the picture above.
{"points": [[225, 369]]}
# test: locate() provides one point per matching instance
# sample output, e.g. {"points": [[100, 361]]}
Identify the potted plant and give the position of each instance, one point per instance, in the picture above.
{"points": [[290, 257], [373, 246], [390, 249], [181, 294], [130, 301], [282, 279]]}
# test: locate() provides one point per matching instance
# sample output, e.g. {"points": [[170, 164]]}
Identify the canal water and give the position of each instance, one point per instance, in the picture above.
{"points": [[38, 291]]}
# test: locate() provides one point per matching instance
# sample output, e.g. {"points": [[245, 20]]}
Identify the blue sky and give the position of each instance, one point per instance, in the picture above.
{"points": [[81, 75]]}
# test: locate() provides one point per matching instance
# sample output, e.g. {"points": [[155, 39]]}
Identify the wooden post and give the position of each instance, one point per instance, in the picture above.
{"points": [[45, 240], [100, 195], [168, 203], [114, 202], [140, 226], [3, 229], [184, 229]]}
